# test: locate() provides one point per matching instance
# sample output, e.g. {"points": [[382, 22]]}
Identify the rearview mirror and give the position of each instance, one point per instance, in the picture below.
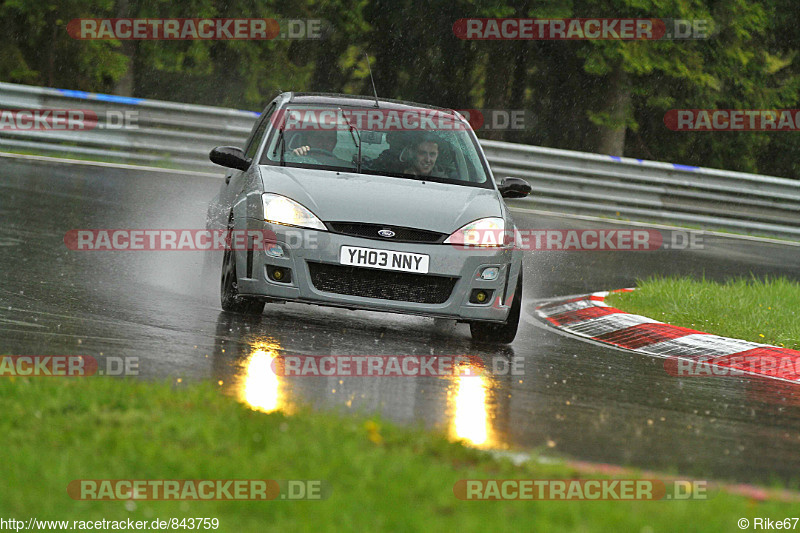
{"points": [[514, 188], [230, 157]]}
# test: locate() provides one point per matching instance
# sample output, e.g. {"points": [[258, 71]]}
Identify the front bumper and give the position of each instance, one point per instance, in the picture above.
{"points": [[302, 247]]}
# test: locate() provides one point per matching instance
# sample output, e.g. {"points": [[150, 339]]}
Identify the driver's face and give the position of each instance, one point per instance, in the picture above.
{"points": [[425, 157]]}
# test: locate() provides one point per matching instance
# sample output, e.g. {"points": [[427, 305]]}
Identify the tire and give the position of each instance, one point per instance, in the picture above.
{"points": [[500, 333], [229, 293]]}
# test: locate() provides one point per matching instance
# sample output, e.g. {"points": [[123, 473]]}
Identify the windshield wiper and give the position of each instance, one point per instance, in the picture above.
{"points": [[358, 142], [282, 142]]}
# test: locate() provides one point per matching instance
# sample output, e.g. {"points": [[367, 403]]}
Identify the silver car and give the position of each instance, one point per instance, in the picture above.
{"points": [[371, 204]]}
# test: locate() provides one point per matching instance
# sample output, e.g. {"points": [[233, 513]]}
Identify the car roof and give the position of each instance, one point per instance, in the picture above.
{"points": [[356, 100]]}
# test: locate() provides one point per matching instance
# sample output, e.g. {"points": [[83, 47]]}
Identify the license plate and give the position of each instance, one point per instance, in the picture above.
{"points": [[384, 259]]}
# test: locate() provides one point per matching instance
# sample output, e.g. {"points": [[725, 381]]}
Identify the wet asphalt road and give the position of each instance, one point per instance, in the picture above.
{"points": [[575, 399]]}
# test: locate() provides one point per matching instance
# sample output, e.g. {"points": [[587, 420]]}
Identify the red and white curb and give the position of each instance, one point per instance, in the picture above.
{"points": [[687, 352]]}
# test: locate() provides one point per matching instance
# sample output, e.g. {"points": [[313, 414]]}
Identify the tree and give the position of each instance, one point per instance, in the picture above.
{"points": [[36, 48]]}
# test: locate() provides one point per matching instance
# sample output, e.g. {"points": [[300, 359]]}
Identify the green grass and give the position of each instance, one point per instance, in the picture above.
{"points": [[764, 311], [382, 478]]}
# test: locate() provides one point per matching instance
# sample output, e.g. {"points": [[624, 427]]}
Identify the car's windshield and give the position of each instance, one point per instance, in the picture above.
{"points": [[408, 143]]}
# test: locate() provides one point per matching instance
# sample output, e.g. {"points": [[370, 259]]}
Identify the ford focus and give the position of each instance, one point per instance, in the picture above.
{"points": [[370, 204]]}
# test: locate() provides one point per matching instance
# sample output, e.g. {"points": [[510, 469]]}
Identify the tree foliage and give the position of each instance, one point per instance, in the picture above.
{"points": [[608, 96]]}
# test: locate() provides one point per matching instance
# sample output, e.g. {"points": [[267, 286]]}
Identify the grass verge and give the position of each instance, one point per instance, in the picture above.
{"points": [[764, 311], [382, 478]]}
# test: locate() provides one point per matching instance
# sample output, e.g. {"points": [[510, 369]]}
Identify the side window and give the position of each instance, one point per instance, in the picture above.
{"points": [[258, 134]]}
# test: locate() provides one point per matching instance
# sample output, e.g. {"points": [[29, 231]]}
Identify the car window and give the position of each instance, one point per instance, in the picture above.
{"points": [[258, 134], [312, 137], [329, 137]]}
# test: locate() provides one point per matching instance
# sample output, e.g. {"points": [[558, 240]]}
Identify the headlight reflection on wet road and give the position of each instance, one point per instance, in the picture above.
{"points": [[260, 387], [469, 407]]}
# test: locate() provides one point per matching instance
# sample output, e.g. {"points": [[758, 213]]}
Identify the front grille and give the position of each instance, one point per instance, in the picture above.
{"points": [[383, 284], [402, 234]]}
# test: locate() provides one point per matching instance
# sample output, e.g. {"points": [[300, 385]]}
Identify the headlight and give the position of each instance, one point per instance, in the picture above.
{"points": [[484, 232], [282, 210]]}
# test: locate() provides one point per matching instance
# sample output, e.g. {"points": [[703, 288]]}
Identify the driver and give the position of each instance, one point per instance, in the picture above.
{"points": [[319, 140]]}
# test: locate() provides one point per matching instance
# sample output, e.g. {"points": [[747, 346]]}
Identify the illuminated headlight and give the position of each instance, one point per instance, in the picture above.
{"points": [[283, 210], [484, 232]]}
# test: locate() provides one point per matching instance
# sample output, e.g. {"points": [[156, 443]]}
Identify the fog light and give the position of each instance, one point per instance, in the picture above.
{"points": [[480, 296], [275, 250], [490, 274], [279, 274]]}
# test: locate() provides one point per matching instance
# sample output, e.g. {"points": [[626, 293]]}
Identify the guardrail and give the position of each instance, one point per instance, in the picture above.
{"points": [[181, 135], [602, 185], [164, 133]]}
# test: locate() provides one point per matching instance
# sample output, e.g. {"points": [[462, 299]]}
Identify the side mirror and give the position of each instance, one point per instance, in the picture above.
{"points": [[514, 188], [230, 157]]}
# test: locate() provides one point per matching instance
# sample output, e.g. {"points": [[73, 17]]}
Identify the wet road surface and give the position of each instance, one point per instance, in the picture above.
{"points": [[574, 399]]}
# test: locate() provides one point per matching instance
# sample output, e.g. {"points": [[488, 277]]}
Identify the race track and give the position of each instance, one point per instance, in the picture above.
{"points": [[577, 399]]}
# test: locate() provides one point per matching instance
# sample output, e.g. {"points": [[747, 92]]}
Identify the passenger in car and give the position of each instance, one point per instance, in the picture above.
{"points": [[422, 157]]}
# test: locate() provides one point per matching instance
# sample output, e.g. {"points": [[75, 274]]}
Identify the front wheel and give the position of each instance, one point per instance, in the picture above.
{"points": [[500, 333], [229, 291]]}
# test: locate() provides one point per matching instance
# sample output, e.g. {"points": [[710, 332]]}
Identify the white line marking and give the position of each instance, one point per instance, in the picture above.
{"points": [[48, 159], [20, 323]]}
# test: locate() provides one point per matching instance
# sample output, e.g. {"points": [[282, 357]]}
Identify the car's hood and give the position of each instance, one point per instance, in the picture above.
{"points": [[349, 197]]}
